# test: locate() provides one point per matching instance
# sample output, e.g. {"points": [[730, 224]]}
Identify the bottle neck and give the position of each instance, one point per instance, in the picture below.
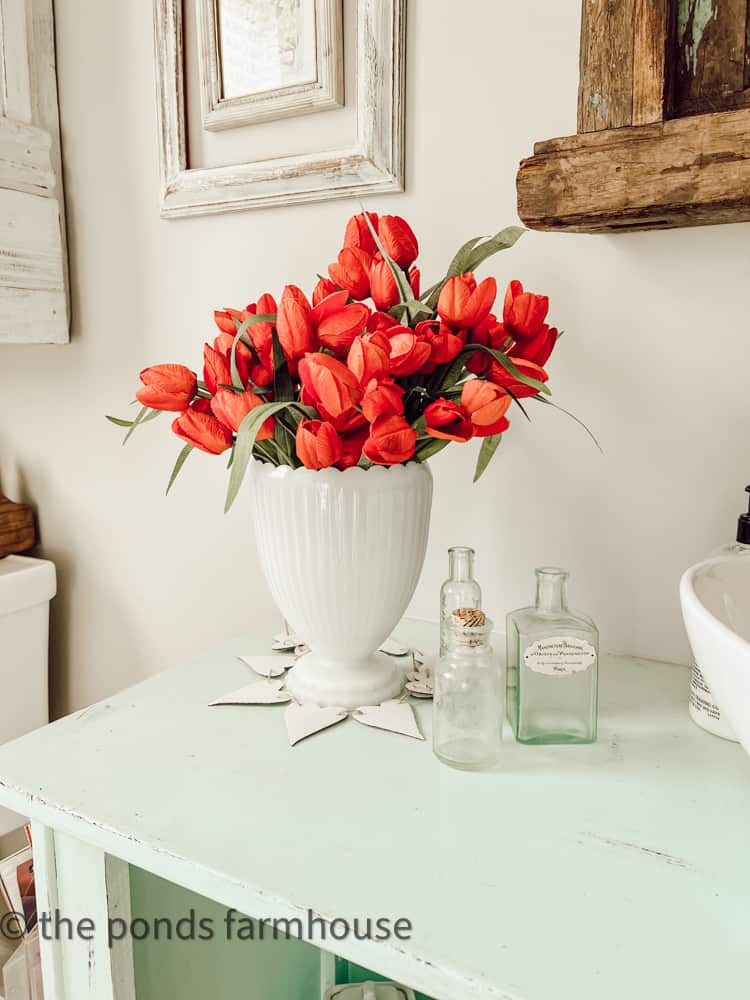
{"points": [[461, 564], [551, 591]]}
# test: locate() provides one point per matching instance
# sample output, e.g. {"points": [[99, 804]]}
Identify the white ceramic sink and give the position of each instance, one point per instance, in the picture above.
{"points": [[715, 597]]}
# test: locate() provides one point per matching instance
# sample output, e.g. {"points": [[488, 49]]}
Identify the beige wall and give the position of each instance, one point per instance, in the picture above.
{"points": [[654, 359]]}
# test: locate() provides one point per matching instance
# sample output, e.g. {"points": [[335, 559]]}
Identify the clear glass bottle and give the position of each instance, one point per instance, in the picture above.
{"points": [[552, 667], [460, 590], [467, 715]]}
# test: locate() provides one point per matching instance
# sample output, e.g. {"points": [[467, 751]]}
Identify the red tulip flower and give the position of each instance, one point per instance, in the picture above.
{"points": [[382, 399], [329, 386], [463, 303], [369, 357], [398, 240], [232, 407], [318, 444], [332, 303], [444, 344], [293, 324], [260, 333], [338, 330], [447, 420], [225, 319], [216, 370], [167, 387], [323, 288], [409, 353], [503, 378], [379, 322], [486, 405], [523, 312], [203, 431], [358, 233], [489, 333], [415, 280], [391, 441], [352, 272], [351, 448], [538, 348], [383, 287]]}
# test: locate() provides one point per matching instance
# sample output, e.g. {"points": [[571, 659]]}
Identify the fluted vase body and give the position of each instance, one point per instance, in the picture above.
{"points": [[342, 553]]}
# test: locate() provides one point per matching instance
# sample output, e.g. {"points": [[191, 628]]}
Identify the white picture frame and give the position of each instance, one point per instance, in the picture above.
{"points": [[372, 164], [323, 93], [34, 301]]}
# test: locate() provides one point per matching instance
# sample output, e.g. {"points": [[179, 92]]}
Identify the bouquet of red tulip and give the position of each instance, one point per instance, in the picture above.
{"points": [[339, 382]]}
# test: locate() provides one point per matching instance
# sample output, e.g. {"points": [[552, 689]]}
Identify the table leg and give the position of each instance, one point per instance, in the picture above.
{"points": [[82, 889]]}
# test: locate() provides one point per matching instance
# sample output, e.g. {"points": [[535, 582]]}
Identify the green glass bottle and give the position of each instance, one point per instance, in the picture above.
{"points": [[552, 667]]}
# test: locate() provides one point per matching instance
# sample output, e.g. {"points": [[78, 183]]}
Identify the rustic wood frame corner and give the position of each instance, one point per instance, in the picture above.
{"points": [[324, 93], [372, 164], [641, 160]]}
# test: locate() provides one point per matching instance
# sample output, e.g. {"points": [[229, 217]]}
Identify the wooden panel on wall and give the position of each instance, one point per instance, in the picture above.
{"points": [[605, 94], [710, 63], [663, 126]]}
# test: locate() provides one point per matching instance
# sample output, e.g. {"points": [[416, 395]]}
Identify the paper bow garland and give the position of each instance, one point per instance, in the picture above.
{"points": [[303, 720]]}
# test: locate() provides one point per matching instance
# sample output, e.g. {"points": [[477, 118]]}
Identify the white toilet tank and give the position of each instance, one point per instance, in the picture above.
{"points": [[26, 588]]}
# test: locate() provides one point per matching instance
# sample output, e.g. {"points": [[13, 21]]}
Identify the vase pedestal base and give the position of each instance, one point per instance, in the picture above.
{"points": [[320, 680]]}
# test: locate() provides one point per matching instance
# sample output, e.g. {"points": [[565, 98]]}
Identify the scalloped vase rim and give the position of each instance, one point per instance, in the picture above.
{"points": [[266, 468]]}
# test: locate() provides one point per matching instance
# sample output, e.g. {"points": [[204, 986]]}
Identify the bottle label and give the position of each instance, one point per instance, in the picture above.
{"points": [[559, 656]]}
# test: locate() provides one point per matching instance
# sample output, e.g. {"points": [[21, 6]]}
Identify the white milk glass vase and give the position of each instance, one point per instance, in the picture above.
{"points": [[342, 553]]}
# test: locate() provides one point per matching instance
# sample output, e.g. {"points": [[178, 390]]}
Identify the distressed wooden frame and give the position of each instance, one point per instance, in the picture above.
{"points": [[640, 160], [324, 93], [34, 304], [372, 164]]}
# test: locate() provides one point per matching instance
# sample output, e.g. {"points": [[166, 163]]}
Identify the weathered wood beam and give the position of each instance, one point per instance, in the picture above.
{"points": [[685, 172]]}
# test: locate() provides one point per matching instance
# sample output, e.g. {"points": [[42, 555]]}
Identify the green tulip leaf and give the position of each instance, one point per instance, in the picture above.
{"points": [[503, 240], [486, 453], [178, 465], [429, 446], [572, 416], [246, 435], [144, 415], [507, 364], [471, 255]]}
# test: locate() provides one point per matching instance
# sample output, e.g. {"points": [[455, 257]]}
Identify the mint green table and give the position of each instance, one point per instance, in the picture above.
{"points": [[610, 872]]}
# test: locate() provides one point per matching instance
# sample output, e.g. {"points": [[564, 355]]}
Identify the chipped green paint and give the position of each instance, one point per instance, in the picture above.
{"points": [[600, 106], [693, 17]]}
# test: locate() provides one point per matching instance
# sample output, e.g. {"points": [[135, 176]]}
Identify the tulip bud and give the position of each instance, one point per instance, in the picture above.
{"points": [[318, 444], [352, 272], [293, 323], [463, 303], [390, 442], [358, 233], [383, 287], [523, 312], [231, 408], [398, 240], [203, 431], [338, 330], [447, 420], [167, 387], [486, 404]]}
